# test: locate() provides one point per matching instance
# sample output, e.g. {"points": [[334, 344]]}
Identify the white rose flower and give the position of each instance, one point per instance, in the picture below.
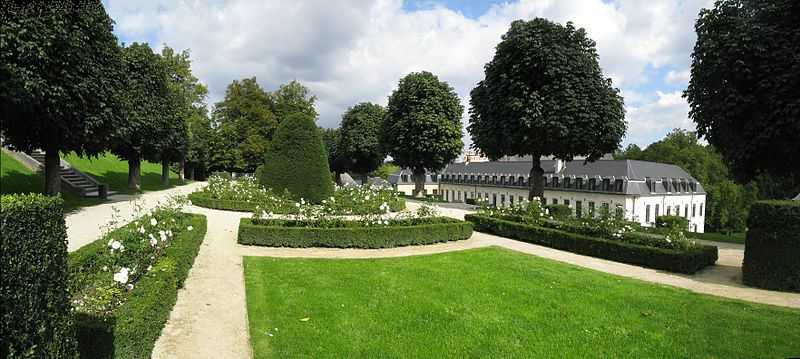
{"points": [[153, 242], [122, 275], [116, 245], [129, 287], [190, 228], [153, 222]]}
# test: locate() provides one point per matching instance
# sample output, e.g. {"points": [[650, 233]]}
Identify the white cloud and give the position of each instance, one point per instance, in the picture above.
{"points": [[677, 77], [354, 51], [653, 120]]}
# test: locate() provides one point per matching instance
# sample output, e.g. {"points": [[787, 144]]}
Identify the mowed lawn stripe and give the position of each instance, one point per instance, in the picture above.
{"points": [[494, 302]]}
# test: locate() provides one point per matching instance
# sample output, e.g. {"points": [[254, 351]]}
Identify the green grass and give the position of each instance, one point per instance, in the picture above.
{"points": [[16, 178], [498, 303], [109, 169], [736, 237]]}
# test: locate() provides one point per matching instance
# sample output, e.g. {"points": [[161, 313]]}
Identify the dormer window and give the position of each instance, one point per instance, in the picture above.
{"points": [[618, 185], [606, 185]]}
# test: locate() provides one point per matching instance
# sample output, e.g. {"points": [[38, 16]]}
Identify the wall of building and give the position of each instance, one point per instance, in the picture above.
{"points": [[635, 206], [408, 189]]}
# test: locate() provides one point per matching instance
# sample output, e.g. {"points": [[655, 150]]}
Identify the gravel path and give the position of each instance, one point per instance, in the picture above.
{"points": [[210, 317]]}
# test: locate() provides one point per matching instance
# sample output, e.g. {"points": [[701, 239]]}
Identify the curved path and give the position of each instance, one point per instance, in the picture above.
{"points": [[209, 319]]}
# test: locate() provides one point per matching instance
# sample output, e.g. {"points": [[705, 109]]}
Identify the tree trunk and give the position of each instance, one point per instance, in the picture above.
{"points": [[134, 175], [164, 172], [365, 179], [536, 179], [52, 169], [182, 169], [419, 183]]}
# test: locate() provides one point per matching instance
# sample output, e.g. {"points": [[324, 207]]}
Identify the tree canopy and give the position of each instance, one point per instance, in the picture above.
{"points": [[60, 79], [359, 144], [744, 83], [545, 94], [422, 129]]}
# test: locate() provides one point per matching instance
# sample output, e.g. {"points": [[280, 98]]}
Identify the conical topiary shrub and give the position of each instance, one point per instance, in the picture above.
{"points": [[297, 161]]}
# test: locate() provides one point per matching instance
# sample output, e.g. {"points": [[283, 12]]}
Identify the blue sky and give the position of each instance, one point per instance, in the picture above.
{"points": [[353, 51]]}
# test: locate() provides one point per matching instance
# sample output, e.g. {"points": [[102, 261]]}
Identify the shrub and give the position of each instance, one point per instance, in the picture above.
{"points": [[297, 161], [672, 222], [36, 318], [688, 261], [130, 328], [772, 246], [352, 234], [559, 211]]}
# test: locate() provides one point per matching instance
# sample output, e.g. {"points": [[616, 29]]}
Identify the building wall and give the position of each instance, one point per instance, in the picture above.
{"points": [[408, 189], [635, 206]]}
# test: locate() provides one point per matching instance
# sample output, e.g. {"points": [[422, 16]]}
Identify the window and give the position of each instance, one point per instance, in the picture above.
{"points": [[656, 210], [701, 209], [618, 185], [605, 207], [593, 184], [567, 182], [591, 209], [694, 209], [578, 209], [566, 202], [494, 179], [471, 178], [494, 199], [555, 182], [458, 196], [669, 210], [521, 181], [606, 185], [579, 183], [520, 199], [619, 211], [434, 192], [502, 179], [686, 211], [433, 177], [647, 214], [511, 200], [555, 201], [404, 178]]}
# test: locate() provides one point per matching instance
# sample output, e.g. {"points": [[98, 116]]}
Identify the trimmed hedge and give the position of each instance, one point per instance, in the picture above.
{"points": [[275, 235], [36, 318], [651, 257], [672, 221], [772, 246], [559, 211], [132, 329], [202, 200]]}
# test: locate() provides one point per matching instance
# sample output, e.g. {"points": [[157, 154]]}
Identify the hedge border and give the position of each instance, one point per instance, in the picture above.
{"points": [[672, 260], [772, 246], [353, 237], [132, 330], [198, 199]]}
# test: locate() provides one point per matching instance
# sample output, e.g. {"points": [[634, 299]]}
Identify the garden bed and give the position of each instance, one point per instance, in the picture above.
{"points": [[125, 323], [681, 261], [352, 234]]}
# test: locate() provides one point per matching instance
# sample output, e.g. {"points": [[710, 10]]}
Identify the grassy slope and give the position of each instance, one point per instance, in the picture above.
{"points": [[109, 169], [16, 178], [494, 303]]}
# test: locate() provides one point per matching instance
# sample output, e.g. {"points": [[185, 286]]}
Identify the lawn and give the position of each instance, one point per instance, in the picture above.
{"points": [[109, 169], [16, 178], [494, 302]]}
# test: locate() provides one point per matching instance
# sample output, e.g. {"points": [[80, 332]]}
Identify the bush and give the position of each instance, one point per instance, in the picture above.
{"points": [[131, 329], [36, 318], [279, 233], [297, 161], [772, 246], [203, 199], [689, 261], [672, 222], [559, 211]]}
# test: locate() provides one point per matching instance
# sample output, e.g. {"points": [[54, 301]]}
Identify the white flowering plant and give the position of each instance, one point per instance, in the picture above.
{"points": [[110, 267], [312, 216]]}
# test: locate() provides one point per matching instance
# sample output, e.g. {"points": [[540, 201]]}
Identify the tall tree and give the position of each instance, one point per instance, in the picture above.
{"points": [[149, 110], [422, 129], [246, 112], [292, 98], [189, 96], [60, 79], [744, 85], [330, 137], [544, 94], [359, 142]]}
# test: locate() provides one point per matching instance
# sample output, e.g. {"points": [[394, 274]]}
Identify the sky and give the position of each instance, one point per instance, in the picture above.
{"points": [[348, 52]]}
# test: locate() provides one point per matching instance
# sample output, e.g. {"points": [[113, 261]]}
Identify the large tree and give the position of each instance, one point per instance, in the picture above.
{"points": [[422, 129], [545, 95], [246, 112], [292, 98], [60, 79], [359, 142], [149, 111], [330, 137], [743, 92]]}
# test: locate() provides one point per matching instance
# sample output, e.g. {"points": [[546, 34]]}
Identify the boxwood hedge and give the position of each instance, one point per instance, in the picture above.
{"points": [[202, 199], [437, 230], [651, 257], [772, 246], [36, 319], [132, 329]]}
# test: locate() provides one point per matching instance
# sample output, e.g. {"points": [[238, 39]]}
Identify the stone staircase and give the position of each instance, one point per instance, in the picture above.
{"points": [[75, 181]]}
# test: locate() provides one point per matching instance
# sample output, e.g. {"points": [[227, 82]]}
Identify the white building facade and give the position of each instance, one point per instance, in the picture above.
{"points": [[402, 181], [641, 190]]}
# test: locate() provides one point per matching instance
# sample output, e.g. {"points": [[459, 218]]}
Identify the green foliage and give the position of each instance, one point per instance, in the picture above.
{"points": [[330, 136], [422, 129], [559, 211], [772, 247], [681, 261], [359, 142], [131, 328], [545, 94], [36, 320], [743, 88], [297, 161], [293, 98], [672, 222], [353, 234], [246, 122], [385, 170]]}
